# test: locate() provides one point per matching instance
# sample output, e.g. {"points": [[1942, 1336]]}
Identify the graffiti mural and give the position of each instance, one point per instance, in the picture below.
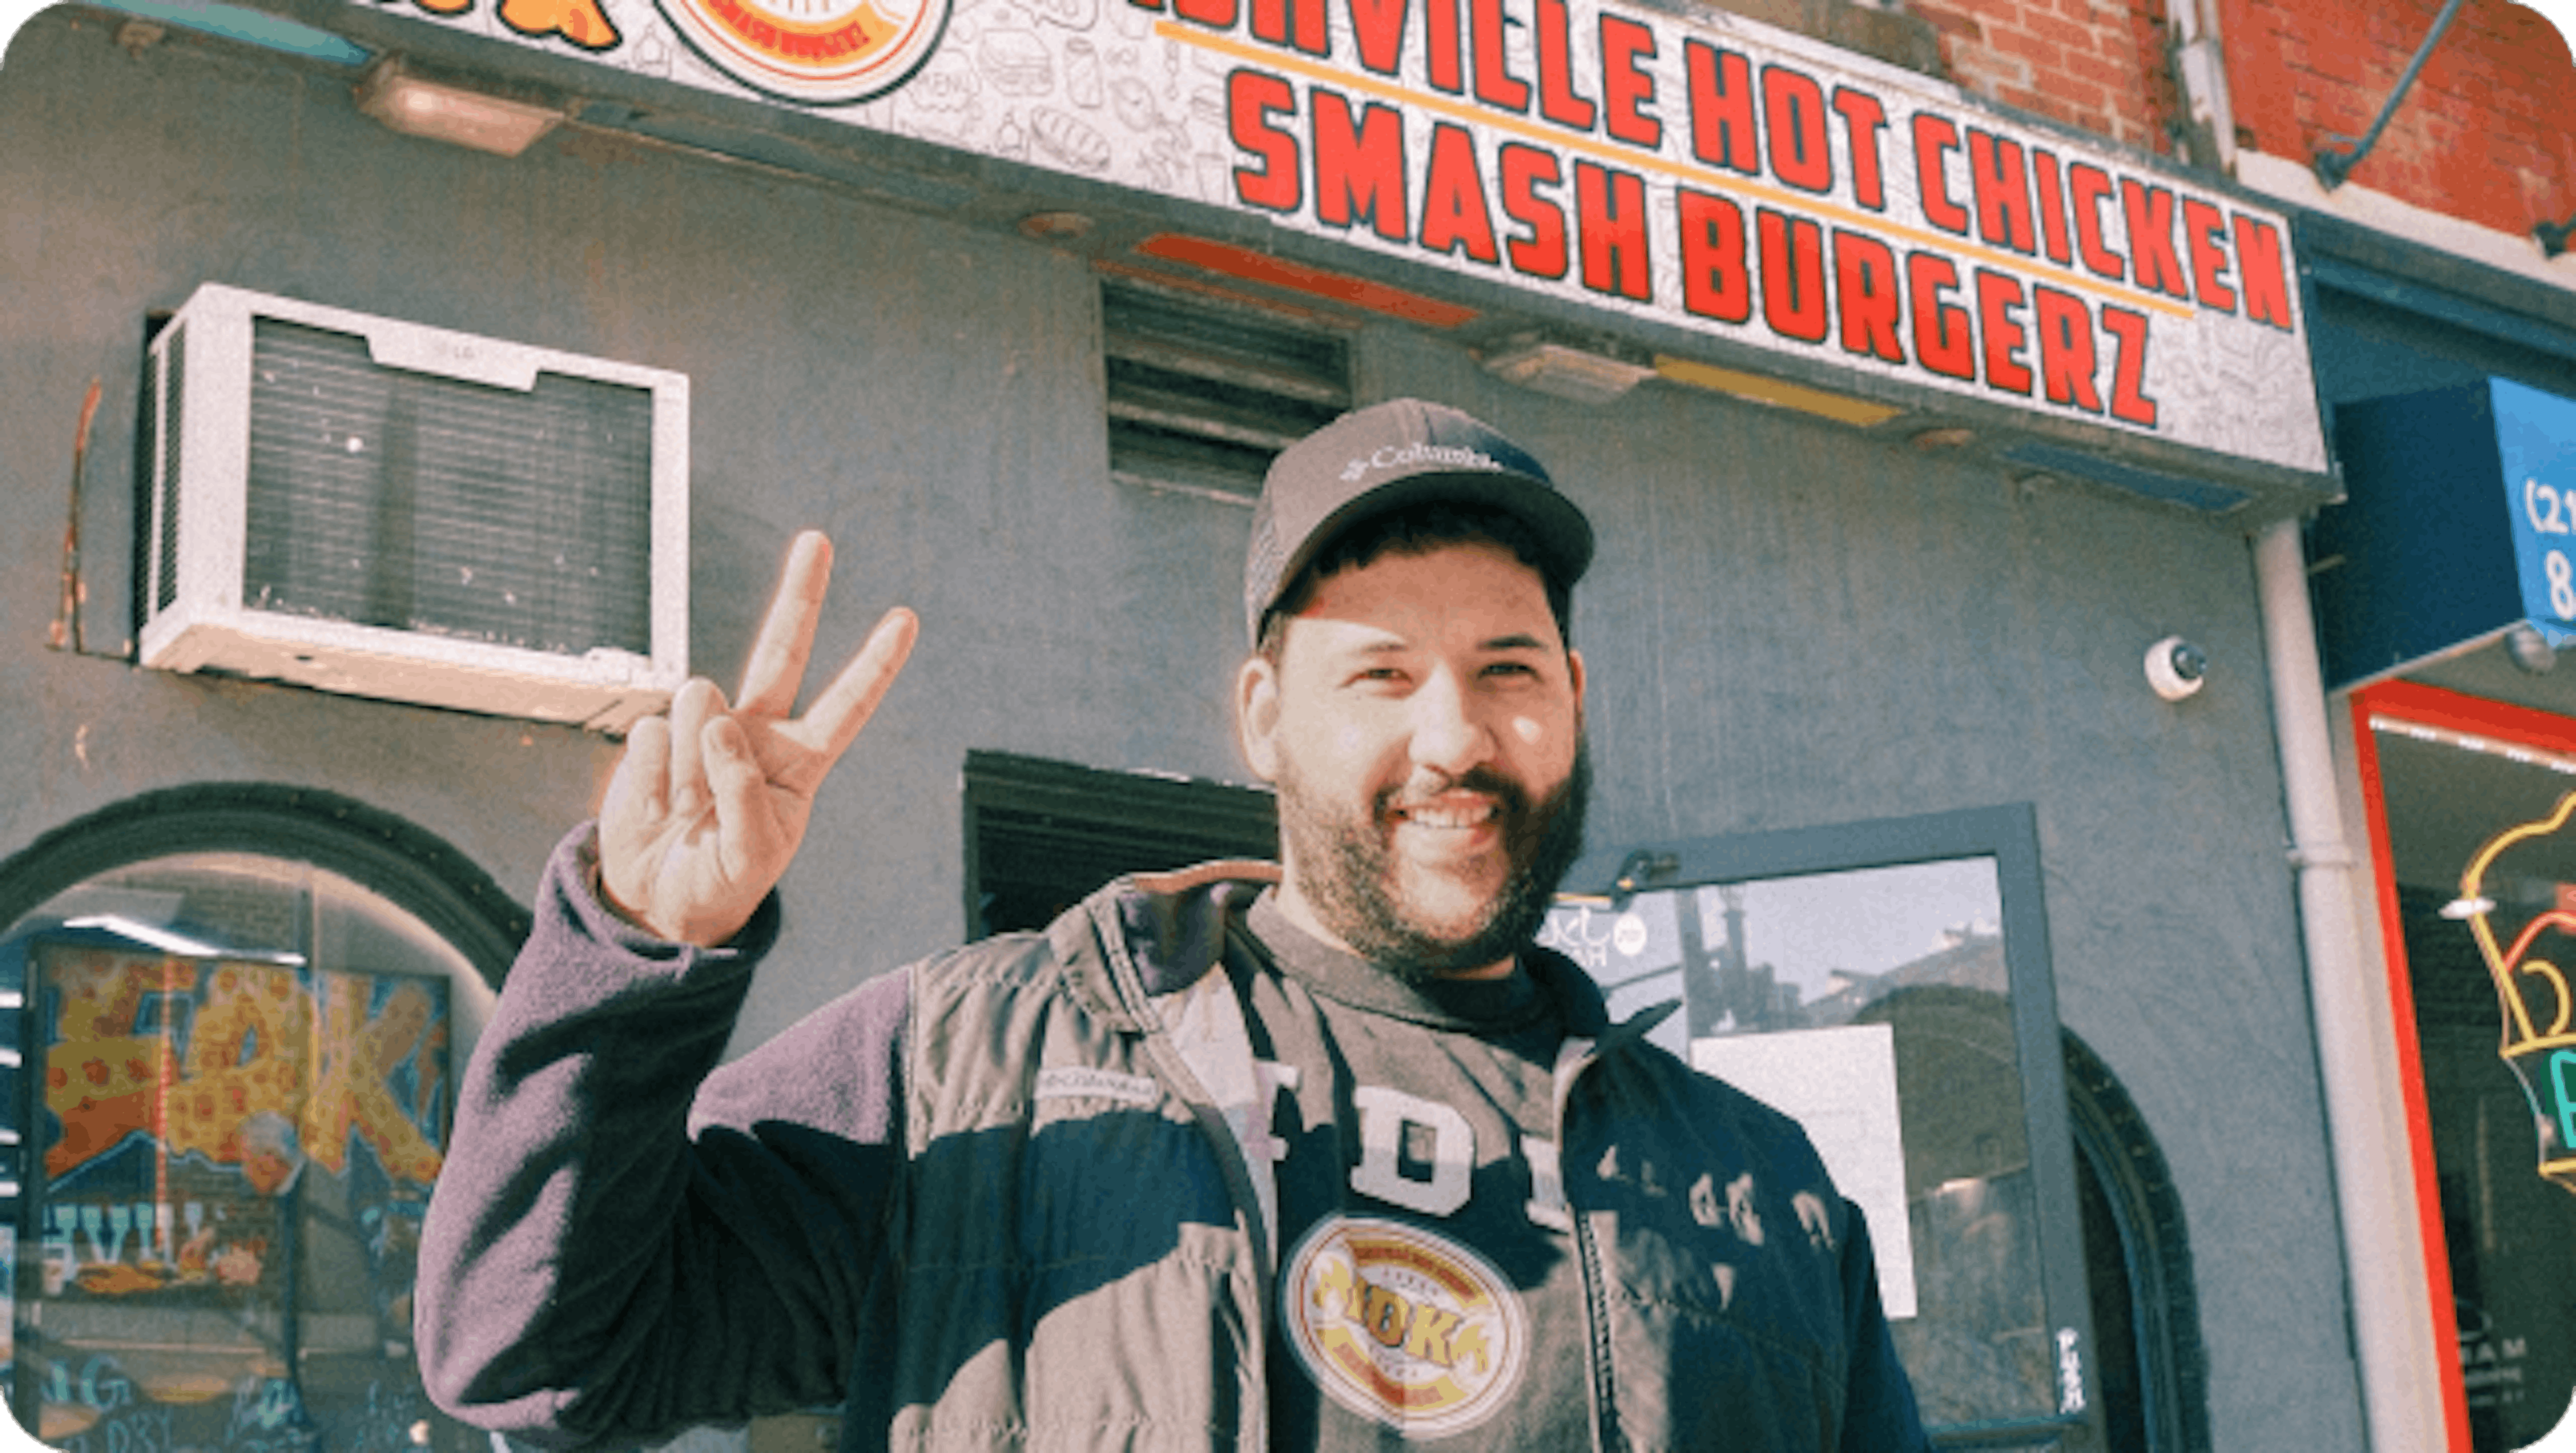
{"points": [[235, 1159]]}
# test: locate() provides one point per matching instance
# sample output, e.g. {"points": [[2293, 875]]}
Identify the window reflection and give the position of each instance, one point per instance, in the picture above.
{"points": [[1911, 958], [235, 1080]]}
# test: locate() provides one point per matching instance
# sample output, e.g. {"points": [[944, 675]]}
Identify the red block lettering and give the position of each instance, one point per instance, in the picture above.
{"points": [[1252, 98], [1453, 198], [1793, 275], [2129, 401], [1715, 282], [1214, 14], [2052, 207], [1495, 83], [1935, 138], [1793, 117], [2258, 265], [1943, 339], [1628, 92], [2066, 361], [1998, 294], [1377, 27], [1540, 251], [1867, 296], [1298, 23], [1556, 98], [2002, 190], [1359, 169], [2205, 227], [2150, 213], [1441, 63], [2090, 187], [1611, 208], [1864, 123], [1721, 104]]}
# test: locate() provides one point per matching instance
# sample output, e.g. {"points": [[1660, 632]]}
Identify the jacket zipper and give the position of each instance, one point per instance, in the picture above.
{"points": [[1576, 1057], [1573, 1059], [1605, 1437]]}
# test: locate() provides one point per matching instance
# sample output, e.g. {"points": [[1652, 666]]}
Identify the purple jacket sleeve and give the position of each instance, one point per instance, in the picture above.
{"points": [[626, 1240]]}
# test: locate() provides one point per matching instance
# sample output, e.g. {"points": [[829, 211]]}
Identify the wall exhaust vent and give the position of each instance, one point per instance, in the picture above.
{"points": [[1202, 394], [385, 509]]}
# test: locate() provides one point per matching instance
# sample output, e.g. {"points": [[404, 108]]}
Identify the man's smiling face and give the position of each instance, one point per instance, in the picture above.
{"points": [[1422, 719]]}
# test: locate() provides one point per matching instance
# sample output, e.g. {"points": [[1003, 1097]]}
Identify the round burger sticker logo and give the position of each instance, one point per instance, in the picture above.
{"points": [[1402, 1326], [820, 52]]}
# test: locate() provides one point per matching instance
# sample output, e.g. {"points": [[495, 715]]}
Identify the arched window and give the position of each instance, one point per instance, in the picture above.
{"points": [[234, 1020], [2137, 1259]]}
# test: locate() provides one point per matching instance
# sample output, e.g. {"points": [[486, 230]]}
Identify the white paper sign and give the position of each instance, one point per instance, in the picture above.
{"points": [[1840, 1084]]}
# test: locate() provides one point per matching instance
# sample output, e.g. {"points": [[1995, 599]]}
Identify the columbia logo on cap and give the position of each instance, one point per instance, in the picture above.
{"points": [[1415, 455]]}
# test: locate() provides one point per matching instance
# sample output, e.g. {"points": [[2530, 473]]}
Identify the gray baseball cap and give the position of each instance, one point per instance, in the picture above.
{"points": [[1387, 456]]}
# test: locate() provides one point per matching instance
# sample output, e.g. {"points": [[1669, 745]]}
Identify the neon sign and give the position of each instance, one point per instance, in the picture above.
{"points": [[2538, 1007]]}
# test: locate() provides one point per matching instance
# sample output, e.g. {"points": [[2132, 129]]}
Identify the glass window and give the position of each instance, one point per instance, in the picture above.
{"points": [[233, 1079], [2475, 821], [1887, 984]]}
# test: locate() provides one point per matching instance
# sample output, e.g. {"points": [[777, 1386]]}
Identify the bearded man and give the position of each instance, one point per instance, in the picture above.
{"points": [[1327, 1156]]}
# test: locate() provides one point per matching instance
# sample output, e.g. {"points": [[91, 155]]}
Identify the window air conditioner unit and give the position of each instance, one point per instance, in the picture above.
{"points": [[391, 510]]}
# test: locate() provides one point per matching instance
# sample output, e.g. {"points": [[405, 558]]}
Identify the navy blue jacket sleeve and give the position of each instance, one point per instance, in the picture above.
{"points": [[1879, 1412], [626, 1240]]}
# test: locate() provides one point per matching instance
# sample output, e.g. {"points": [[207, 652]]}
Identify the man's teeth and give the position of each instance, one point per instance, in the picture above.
{"points": [[1433, 815]]}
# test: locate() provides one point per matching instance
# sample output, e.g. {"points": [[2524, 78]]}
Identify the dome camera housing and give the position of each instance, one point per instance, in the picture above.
{"points": [[2176, 668]]}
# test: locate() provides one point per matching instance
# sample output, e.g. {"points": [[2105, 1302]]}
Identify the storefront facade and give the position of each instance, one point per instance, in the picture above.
{"points": [[1932, 713], [2455, 728]]}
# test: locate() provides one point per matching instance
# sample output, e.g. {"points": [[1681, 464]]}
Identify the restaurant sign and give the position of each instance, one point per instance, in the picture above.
{"points": [[1710, 174]]}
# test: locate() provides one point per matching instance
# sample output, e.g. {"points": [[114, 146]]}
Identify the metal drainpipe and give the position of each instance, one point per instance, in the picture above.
{"points": [[2391, 1324], [2200, 73]]}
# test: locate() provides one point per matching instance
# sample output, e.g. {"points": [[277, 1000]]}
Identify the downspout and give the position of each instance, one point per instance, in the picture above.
{"points": [[2200, 74], [2391, 1325]]}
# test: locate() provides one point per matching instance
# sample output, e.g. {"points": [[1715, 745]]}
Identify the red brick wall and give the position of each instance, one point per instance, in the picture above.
{"points": [[2487, 133], [2096, 64]]}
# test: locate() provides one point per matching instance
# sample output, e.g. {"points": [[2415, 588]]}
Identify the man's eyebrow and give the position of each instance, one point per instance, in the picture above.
{"points": [[1517, 641]]}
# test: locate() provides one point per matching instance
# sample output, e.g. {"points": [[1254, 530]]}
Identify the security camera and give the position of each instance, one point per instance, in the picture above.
{"points": [[2176, 668]]}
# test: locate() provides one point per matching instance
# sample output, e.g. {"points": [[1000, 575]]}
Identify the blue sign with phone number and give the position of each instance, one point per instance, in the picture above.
{"points": [[2536, 435]]}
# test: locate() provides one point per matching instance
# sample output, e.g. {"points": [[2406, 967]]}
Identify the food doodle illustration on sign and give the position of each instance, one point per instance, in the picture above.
{"points": [[2533, 992]]}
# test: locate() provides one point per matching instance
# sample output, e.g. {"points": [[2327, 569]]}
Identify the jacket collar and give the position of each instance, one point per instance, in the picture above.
{"points": [[1148, 935]]}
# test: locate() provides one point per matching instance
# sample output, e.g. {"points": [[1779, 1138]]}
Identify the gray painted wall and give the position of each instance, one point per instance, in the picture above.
{"points": [[1790, 624]]}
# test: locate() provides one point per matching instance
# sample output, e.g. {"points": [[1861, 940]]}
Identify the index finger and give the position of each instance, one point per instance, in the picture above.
{"points": [[786, 640]]}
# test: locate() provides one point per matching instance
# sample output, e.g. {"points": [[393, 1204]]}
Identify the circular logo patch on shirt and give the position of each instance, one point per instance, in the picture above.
{"points": [[1402, 1325]]}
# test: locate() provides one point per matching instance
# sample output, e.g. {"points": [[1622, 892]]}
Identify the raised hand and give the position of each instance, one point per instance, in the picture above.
{"points": [[708, 804]]}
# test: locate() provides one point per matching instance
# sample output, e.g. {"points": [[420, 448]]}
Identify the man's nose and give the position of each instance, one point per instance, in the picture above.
{"points": [[1449, 735]]}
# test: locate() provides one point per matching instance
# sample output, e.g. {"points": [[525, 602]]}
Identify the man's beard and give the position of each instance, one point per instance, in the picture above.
{"points": [[1346, 874]]}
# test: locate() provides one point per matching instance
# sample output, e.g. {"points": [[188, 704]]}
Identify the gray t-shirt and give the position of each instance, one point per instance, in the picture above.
{"points": [[1429, 1286]]}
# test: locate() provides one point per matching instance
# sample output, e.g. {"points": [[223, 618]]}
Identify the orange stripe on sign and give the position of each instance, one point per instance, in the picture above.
{"points": [[1278, 272]]}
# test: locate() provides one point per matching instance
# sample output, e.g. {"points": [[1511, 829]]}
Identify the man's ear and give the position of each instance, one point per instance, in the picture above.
{"points": [[1574, 674], [1256, 715]]}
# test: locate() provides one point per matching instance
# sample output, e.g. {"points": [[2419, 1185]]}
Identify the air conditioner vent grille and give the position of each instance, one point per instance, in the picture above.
{"points": [[1201, 396], [165, 588], [383, 497]]}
